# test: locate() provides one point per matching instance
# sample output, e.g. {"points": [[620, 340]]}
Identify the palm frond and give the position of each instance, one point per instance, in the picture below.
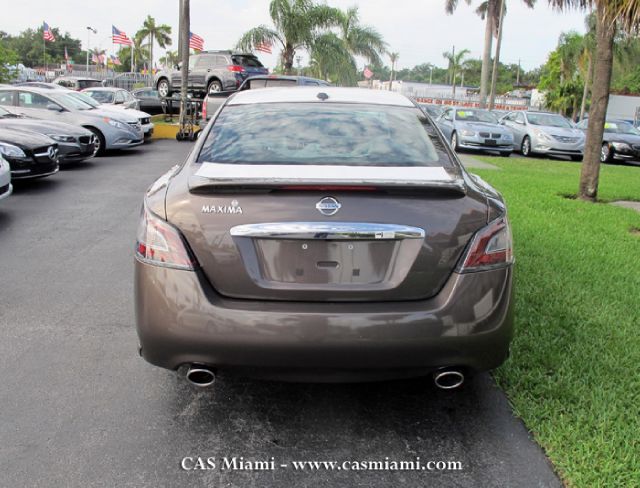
{"points": [[256, 36]]}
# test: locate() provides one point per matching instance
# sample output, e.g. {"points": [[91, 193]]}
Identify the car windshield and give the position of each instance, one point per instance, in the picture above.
{"points": [[467, 115], [101, 96], [70, 102], [621, 128], [329, 134], [550, 120], [84, 98], [432, 110]]}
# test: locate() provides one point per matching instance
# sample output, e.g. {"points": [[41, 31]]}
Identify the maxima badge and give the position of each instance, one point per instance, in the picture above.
{"points": [[328, 206]]}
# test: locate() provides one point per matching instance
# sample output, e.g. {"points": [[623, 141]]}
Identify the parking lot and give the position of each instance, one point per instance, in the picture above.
{"points": [[80, 408]]}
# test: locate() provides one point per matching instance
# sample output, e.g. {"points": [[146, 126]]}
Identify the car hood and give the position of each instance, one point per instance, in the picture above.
{"points": [[482, 127], [559, 131], [119, 115], [24, 139], [138, 114], [628, 138], [44, 127]]}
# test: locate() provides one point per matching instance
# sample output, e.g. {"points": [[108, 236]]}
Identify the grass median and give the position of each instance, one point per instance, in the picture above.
{"points": [[574, 372]]}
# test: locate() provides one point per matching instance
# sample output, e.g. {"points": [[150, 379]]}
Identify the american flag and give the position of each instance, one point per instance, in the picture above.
{"points": [[47, 33], [196, 42], [115, 60], [97, 58], [367, 72], [119, 37], [264, 46]]}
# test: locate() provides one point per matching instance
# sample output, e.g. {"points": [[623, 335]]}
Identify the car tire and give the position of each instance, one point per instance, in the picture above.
{"points": [[163, 87], [606, 153], [454, 141], [98, 151], [525, 147], [214, 86]]}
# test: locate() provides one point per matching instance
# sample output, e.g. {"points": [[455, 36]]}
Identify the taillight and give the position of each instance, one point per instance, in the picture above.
{"points": [[204, 109], [235, 68], [491, 247], [161, 244]]}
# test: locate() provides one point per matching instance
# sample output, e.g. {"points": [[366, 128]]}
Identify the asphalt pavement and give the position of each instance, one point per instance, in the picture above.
{"points": [[80, 408]]}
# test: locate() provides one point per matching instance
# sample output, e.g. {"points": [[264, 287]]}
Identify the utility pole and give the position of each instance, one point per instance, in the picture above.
{"points": [[89, 31], [518, 74], [453, 71], [431, 75]]}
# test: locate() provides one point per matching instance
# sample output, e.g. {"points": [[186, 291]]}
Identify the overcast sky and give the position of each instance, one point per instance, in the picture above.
{"points": [[417, 29]]}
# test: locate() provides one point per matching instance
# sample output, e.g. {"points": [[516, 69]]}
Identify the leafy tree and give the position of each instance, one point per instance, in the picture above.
{"points": [[8, 60], [28, 45]]}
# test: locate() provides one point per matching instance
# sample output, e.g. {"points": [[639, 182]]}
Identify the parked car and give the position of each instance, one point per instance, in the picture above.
{"points": [[111, 131], [112, 96], [148, 100], [6, 188], [213, 101], [211, 71], [545, 133], [130, 115], [340, 241], [76, 82], [475, 129], [620, 141], [433, 110], [74, 143], [30, 155]]}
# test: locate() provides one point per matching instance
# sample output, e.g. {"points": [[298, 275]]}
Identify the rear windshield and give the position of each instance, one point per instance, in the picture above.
{"points": [[82, 84], [250, 61], [268, 83], [327, 133], [101, 96]]}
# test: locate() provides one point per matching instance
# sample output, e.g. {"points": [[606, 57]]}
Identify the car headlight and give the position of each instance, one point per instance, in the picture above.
{"points": [[542, 135], [62, 138], [621, 146], [11, 150], [468, 133], [117, 124]]}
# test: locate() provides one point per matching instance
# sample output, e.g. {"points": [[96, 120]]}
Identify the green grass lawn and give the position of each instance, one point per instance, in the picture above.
{"points": [[574, 372]]}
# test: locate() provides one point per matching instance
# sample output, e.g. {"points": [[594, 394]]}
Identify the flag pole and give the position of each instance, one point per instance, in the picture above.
{"points": [[44, 53]]}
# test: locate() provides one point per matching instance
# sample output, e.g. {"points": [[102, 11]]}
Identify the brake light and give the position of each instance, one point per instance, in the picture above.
{"points": [[235, 68], [491, 247], [161, 244], [204, 109]]}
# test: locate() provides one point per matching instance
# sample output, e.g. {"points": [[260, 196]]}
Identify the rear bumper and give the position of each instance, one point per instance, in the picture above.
{"points": [[182, 320]]}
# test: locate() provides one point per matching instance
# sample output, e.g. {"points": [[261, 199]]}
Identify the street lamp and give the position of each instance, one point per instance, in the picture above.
{"points": [[89, 31]]}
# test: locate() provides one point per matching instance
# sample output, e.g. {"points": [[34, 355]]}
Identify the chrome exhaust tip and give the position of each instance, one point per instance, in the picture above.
{"points": [[448, 379], [200, 376]]}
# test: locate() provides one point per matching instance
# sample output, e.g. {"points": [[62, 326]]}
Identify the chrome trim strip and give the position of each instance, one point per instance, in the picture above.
{"points": [[328, 231]]}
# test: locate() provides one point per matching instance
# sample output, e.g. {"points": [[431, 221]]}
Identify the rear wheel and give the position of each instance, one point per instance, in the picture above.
{"points": [[99, 147], [163, 88], [454, 141], [525, 148], [214, 86], [606, 154]]}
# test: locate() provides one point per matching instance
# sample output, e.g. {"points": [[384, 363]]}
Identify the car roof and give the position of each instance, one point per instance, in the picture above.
{"points": [[311, 94], [103, 88], [77, 78]]}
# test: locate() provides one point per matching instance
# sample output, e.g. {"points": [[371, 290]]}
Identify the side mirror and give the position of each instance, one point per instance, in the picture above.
{"points": [[54, 107]]}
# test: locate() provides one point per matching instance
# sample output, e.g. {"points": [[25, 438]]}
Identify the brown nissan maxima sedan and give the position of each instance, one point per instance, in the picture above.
{"points": [[323, 234]]}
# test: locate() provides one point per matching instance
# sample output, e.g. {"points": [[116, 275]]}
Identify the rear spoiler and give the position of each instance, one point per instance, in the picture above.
{"points": [[324, 177]]}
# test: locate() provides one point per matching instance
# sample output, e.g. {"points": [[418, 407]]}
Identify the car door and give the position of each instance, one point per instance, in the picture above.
{"points": [[38, 106], [516, 123], [201, 70], [445, 122]]}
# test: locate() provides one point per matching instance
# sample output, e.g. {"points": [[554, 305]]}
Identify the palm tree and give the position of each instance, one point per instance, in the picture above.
{"points": [[296, 23], [489, 11], [137, 50], [588, 46], [361, 40], [170, 58], [455, 61], [610, 15], [394, 59], [330, 60], [154, 33]]}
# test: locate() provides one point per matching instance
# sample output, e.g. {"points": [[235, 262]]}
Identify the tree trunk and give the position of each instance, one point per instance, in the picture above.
{"points": [[496, 59], [287, 59], [486, 58], [603, 63], [150, 70], [185, 21], [585, 91]]}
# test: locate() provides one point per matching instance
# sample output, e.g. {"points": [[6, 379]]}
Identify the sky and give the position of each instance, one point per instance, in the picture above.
{"points": [[419, 30]]}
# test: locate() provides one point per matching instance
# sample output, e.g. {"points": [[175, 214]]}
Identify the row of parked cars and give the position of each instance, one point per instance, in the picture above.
{"points": [[531, 133], [45, 125]]}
